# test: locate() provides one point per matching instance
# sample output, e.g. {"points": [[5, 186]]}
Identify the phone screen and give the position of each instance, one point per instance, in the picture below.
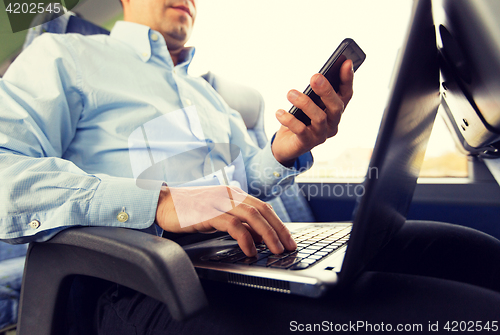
{"points": [[348, 49]]}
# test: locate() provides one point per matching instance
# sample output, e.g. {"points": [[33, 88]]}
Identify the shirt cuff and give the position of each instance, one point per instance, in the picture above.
{"points": [[119, 202], [280, 176]]}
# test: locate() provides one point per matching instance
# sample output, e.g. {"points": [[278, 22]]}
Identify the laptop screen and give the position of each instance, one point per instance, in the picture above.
{"points": [[401, 143]]}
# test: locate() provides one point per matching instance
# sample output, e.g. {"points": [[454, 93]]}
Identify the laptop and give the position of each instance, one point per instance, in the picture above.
{"points": [[330, 254]]}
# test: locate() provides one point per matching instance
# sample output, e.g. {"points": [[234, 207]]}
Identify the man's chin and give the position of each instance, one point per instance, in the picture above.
{"points": [[175, 42], [177, 36]]}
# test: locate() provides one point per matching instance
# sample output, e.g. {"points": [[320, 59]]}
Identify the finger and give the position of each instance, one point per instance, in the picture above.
{"points": [[333, 102], [234, 227], [270, 216], [302, 101], [256, 237], [267, 211], [291, 122], [346, 81], [252, 216], [262, 219]]}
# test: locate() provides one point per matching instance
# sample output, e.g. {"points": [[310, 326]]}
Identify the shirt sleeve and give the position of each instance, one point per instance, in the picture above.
{"points": [[40, 105], [266, 177]]}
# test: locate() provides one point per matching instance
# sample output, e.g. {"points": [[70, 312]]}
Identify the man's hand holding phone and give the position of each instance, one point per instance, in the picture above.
{"points": [[316, 113], [294, 138]]}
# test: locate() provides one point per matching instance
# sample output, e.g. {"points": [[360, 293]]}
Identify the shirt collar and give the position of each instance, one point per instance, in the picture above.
{"points": [[141, 38]]}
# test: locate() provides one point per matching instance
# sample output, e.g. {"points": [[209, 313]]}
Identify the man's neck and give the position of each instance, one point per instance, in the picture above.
{"points": [[176, 55], [179, 55], [175, 47]]}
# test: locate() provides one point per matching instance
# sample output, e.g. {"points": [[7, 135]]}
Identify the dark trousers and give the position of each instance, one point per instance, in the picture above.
{"points": [[431, 276]]}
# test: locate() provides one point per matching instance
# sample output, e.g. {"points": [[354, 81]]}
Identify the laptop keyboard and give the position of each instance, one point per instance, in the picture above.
{"points": [[313, 244]]}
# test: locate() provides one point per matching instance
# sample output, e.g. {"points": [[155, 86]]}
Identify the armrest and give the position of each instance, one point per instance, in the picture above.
{"points": [[149, 264]]}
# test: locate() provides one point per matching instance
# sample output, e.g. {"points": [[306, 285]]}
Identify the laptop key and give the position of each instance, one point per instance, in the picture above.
{"points": [[265, 262], [321, 253], [309, 260], [303, 254], [250, 260], [231, 252], [314, 256], [308, 250], [288, 254], [234, 258], [316, 247], [285, 262], [277, 257], [265, 253]]}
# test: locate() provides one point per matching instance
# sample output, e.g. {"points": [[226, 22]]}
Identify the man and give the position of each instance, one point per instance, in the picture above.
{"points": [[66, 134], [69, 105], [67, 108]]}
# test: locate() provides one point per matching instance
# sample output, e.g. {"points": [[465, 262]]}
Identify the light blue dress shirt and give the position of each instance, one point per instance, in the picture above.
{"points": [[68, 107]]}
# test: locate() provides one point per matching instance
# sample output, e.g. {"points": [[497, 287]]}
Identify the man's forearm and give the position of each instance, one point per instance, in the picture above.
{"points": [[41, 196]]}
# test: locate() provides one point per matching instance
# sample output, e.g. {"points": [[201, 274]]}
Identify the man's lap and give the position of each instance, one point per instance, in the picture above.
{"points": [[442, 250], [375, 297]]}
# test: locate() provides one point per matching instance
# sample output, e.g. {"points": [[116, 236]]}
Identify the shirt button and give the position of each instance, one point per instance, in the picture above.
{"points": [[188, 102], [34, 224], [277, 174], [122, 216], [145, 54], [154, 37]]}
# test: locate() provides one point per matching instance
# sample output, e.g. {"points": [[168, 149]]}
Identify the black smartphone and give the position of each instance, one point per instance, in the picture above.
{"points": [[348, 49]]}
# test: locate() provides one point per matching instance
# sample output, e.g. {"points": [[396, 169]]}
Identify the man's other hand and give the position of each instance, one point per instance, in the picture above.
{"points": [[294, 138], [223, 208]]}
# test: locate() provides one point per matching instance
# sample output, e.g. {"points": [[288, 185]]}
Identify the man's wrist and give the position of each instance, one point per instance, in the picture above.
{"points": [[162, 202], [286, 162]]}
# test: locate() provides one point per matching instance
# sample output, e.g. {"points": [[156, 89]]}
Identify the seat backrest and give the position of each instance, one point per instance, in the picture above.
{"points": [[291, 206]]}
